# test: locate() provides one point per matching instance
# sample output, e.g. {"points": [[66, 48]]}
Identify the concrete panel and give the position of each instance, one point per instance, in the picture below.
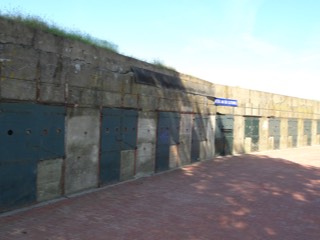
{"points": [[184, 151], [53, 68], [314, 132], [239, 111], [18, 89], [83, 96], [184, 148], [19, 62], [290, 142], [127, 164], [146, 90], [248, 110], [238, 134], [110, 99], [270, 143], [130, 101], [174, 158], [52, 93], [185, 106], [186, 121], [166, 104], [148, 102], [147, 127], [247, 145], [145, 159], [47, 42], [264, 143], [11, 32], [82, 75], [256, 112], [300, 141], [82, 149], [49, 176], [205, 149], [211, 128], [284, 133]]}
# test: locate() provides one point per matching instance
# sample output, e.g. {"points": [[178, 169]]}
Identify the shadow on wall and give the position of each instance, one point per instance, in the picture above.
{"points": [[184, 128]]}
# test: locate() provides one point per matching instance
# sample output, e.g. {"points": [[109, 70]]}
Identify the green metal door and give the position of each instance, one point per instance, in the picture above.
{"points": [[224, 135], [293, 131], [167, 135], [118, 132], [252, 131], [28, 133], [274, 131], [307, 129], [199, 134]]}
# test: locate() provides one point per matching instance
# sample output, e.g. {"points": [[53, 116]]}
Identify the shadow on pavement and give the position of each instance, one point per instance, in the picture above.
{"points": [[240, 197]]}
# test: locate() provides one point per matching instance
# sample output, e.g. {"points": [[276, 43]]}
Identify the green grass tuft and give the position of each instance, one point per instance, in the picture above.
{"points": [[36, 22], [161, 64]]}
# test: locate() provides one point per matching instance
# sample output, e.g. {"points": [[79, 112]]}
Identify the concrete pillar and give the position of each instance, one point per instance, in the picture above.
{"points": [[49, 179], [314, 139], [264, 134], [184, 148], [146, 141], [238, 135], [301, 138], [82, 149]]}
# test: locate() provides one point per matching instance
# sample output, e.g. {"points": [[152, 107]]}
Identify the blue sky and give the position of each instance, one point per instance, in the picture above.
{"points": [[268, 45]]}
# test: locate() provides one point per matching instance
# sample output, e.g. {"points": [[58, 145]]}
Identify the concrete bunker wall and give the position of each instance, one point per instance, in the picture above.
{"points": [[120, 118]]}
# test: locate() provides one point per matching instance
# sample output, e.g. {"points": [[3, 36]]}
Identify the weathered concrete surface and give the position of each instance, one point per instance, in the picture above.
{"points": [[185, 136], [49, 179], [146, 141], [39, 67], [271, 195], [82, 149], [127, 164]]}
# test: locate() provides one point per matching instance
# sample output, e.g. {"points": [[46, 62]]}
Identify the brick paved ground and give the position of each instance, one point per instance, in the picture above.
{"points": [[270, 195]]}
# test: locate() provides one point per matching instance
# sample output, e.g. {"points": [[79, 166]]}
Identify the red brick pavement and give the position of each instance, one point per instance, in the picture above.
{"points": [[269, 195]]}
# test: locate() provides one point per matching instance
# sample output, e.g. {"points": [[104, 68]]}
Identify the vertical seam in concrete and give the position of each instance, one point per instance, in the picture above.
{"points": [[38, 78], [99, 152], [136, 147], [0, 79], [63, 165]]}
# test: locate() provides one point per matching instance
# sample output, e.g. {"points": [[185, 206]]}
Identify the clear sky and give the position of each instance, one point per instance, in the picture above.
{"points": [[268, 45]]}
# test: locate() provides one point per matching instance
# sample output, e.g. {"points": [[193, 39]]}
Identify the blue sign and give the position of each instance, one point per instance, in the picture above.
{"points": [[225, 102]]}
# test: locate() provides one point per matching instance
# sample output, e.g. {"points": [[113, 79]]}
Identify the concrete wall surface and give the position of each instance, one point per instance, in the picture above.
{"points": [[116, 124]]}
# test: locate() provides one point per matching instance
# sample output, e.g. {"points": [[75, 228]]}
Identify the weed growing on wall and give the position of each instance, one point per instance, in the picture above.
{"points": [[39, 23], [161, 64]]}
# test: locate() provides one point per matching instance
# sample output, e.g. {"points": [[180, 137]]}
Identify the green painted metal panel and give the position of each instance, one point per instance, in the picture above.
{"points": [[224, 135], [162, 158], [17, 183], [28, 133], [51, 131], [129, 129], [199, 134], [167, 135], [318, 126], [293, 131], [307, 129], [274, 131], [18, 132], [118, 132], [252, 131]]}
